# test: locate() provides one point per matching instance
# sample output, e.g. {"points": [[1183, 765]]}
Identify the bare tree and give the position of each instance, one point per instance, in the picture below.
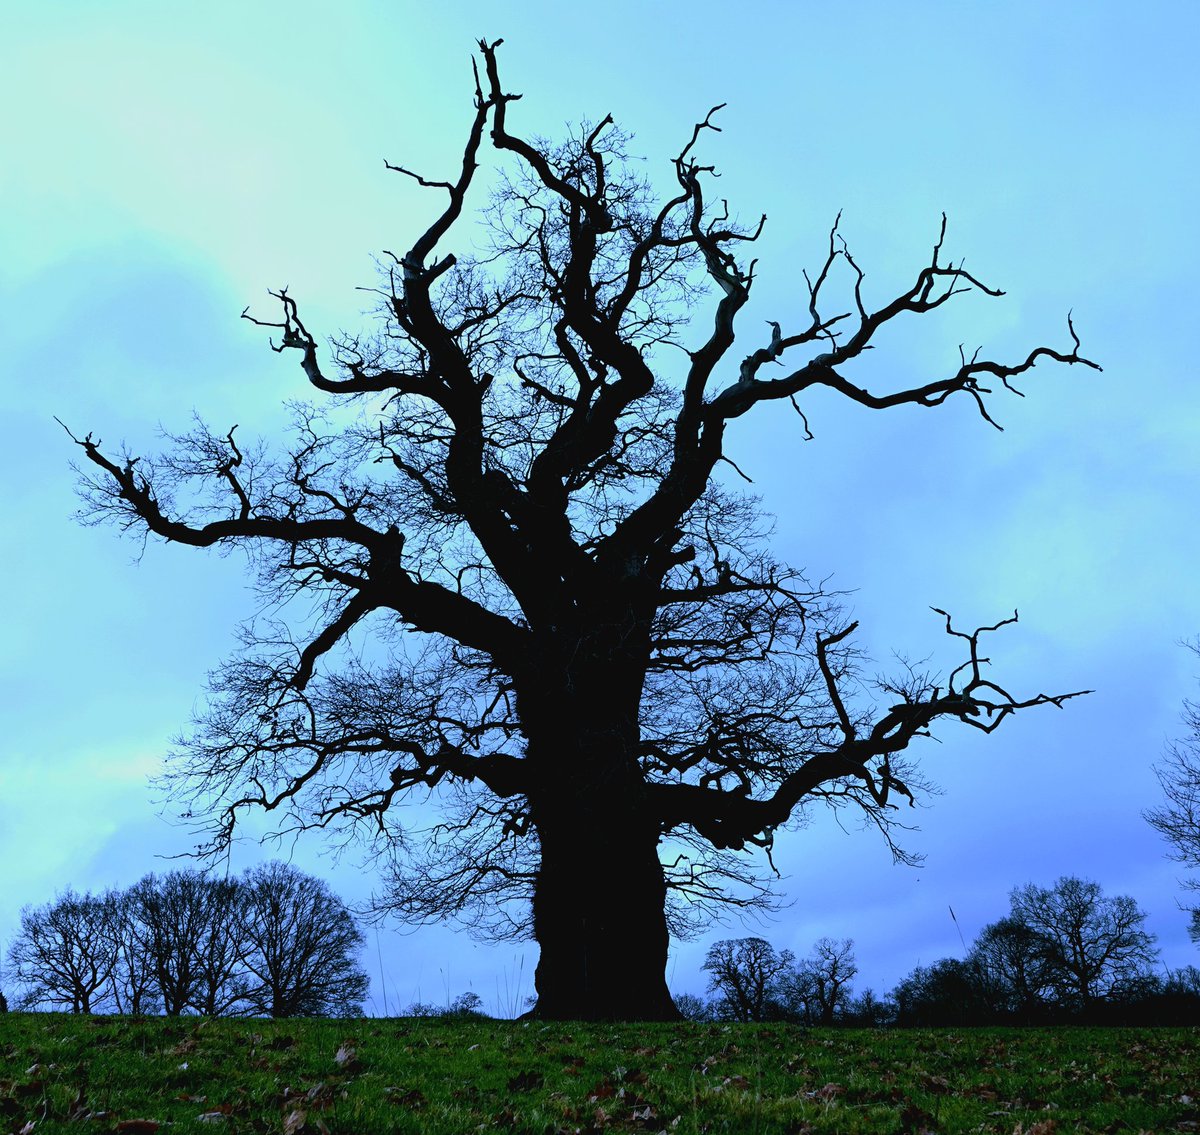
{"points": [[220, 987], [1093, 945], [190, 927], [1178, 818], [169, 924], [746, 974], [829, 970], [301, 946], [581, 647], [133, 985], [693, 1008], [66, 952], [1015, 967]]}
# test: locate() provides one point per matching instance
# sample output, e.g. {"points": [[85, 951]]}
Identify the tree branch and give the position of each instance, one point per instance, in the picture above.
{"points": [[732, 819]]}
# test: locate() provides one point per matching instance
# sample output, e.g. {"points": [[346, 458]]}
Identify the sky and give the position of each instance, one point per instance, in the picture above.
{"points": [[166, 164]]}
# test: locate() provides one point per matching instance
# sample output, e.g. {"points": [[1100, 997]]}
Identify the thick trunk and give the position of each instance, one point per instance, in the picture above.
{"points": [[599, 901], [599, 919]]}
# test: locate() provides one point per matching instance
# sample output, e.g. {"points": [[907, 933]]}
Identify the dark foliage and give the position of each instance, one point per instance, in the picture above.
{"points": [[947, 993], [752, 981], [1091, 947], [466, 1006], [1015, 970], [1063, 953]]}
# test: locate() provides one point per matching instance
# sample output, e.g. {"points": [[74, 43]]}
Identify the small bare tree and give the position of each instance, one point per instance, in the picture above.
{"points": [[745, 974], [301, 946], [1093, 945], [133, 986], [583, 648], [66, 953], [220, 987], [829, 970], [1177, 819]]}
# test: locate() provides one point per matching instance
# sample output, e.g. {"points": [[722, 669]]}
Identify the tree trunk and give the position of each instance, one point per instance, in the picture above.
{"points": [[599, 900], [599, 918]]}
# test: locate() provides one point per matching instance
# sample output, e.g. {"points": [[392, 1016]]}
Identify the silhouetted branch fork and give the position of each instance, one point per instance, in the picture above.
{"points": [[733, 821], [427, 605], [358, 606], [824, 642], [296, 335]]}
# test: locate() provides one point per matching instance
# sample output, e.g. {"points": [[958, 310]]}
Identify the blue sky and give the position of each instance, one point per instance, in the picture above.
{"points": [[165, 165]]}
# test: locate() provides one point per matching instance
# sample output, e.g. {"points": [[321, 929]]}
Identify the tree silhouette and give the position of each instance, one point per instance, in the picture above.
{"points": [[66, 952], [134, 985], [300, 946], [190, 926], [946, 993], [1177, 819], [580, 645], [1093, 944], [828, 971], [273, 941], [1015, 968], [749, 977]]}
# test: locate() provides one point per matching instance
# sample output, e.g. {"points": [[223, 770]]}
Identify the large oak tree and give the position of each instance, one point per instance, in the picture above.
{"points": [[567, 627]]}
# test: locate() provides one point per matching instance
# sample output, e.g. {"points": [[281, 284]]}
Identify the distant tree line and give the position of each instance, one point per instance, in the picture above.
{"points": [[1062, 953], [271, 942], [276, 942]]}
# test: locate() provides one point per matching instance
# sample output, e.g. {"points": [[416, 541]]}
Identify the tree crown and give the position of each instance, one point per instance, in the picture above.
{"points": [[525, 511]]}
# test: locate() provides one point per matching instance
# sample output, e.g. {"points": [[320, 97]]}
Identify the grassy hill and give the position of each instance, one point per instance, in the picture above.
{"points": [[141, 1075]]}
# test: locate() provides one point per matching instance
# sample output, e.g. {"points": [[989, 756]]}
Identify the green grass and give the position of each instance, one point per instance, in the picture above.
{"points": [[112, 1074]]}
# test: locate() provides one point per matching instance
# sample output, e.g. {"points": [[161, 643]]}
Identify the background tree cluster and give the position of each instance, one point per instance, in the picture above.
{"points": [[751, 981], [466, 1006], [272, 942], [1066, 952]]}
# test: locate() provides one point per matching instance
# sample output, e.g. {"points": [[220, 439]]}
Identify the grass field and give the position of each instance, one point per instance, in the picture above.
{"points": [[137, 1076]]}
